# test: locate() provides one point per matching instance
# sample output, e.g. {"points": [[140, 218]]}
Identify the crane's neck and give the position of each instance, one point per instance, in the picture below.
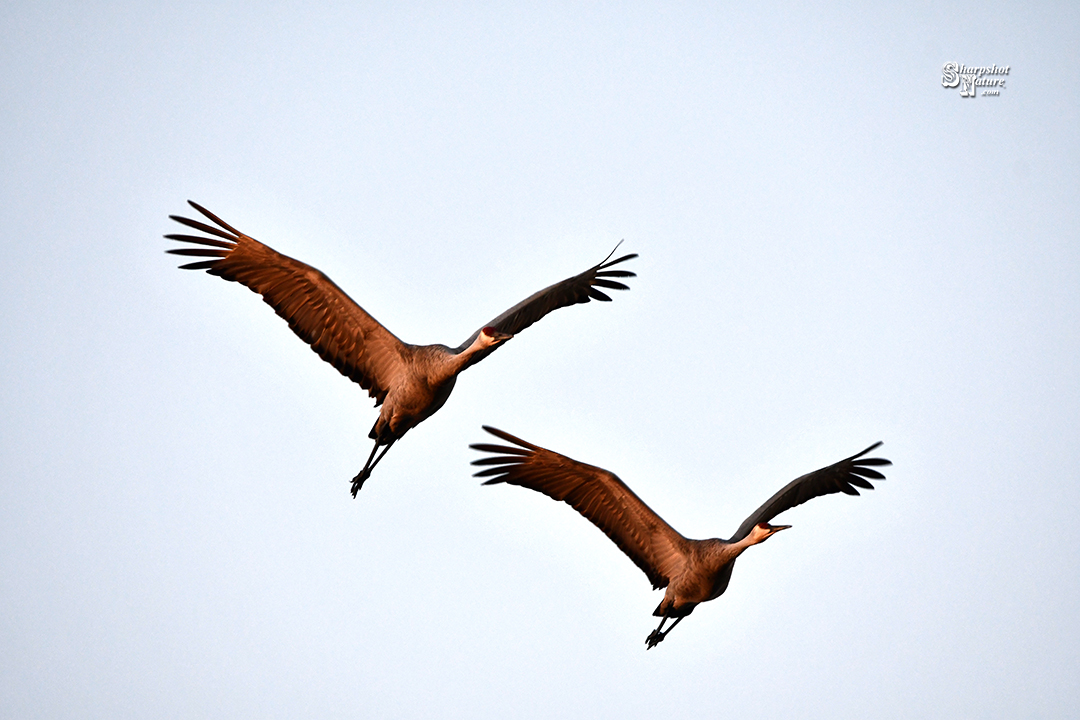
{"points": [[718, 554], [758, 534], [486, 339], [722, 552], [746, 542], [452, 363], [733, 550]]}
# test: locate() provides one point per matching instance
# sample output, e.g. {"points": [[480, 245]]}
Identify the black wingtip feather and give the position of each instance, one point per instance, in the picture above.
{"points": [[198, 252], [490, 471], [604, 265], [214, 217], [203, 227], [498, 460], [202, 241], [203, 265], [610, 284], [484, 447], [503, 435]]}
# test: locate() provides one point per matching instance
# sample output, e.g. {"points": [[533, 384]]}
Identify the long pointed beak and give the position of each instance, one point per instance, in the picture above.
{"points": [[778, 528]]}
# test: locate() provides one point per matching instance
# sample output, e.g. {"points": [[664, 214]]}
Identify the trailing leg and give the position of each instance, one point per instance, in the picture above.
{"points": [[657, 636], [358, 481]]}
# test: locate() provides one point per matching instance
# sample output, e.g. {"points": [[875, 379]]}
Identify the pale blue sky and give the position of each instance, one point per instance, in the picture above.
{"points": [[835, 250]]}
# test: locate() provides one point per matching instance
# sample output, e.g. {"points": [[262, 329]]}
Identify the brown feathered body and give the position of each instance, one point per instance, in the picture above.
{"points": [[692, 571], [409, 382]]}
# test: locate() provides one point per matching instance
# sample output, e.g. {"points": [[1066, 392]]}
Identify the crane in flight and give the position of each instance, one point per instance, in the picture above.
{"points": [[410, 382], [693, 571]]}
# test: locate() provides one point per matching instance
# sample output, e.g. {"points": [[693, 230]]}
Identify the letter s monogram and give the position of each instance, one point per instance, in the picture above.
{"points": [[950, 75]]}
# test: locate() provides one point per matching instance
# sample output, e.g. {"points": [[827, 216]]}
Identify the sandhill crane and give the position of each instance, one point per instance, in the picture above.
{"points": [[693, 571], [410, 382]]}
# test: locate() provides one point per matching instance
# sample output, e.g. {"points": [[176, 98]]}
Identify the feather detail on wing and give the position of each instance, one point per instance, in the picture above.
{"points": [[843, 476], [580, 288], [600, 497], [317, 310]]}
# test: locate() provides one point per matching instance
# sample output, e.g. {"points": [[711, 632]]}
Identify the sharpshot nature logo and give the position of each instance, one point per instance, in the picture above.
{"points": [[970, 79]]}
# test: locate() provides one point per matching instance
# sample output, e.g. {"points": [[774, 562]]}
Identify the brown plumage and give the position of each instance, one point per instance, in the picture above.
{"points": [[410, 382], [693, 571]]}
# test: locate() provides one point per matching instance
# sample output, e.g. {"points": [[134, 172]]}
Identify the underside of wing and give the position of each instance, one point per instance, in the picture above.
{"points": [[601, 497], [581, 288], [842, 477], [317, 310]]}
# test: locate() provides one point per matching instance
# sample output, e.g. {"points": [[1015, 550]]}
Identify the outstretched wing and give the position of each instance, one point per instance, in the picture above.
{"points": [[603, 499], [580, 288], [843, 476], [317, 310]]}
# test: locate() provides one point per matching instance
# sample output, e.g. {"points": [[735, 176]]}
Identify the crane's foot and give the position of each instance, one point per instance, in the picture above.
{"points": [[657, 636], [358, 481]]}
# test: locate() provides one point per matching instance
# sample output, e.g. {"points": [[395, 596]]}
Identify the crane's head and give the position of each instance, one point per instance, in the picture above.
{"points": [[489, 337], [763, 531]]}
